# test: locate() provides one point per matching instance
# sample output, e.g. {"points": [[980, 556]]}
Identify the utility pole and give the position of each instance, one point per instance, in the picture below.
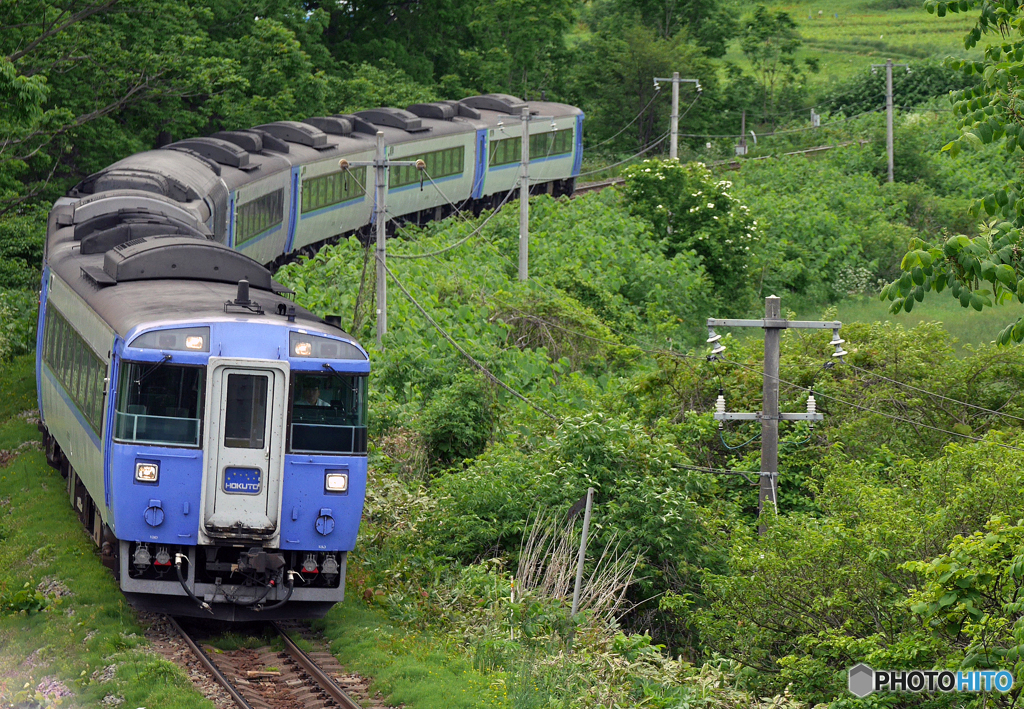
{"points": [[524, 200], [741, 149], [673, 150], [769, 416], [888, 107], [524, 191], [380, 164], [381, 198]]}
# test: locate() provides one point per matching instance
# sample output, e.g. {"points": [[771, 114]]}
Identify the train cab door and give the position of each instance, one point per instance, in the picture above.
{"points": [[244, 447]]}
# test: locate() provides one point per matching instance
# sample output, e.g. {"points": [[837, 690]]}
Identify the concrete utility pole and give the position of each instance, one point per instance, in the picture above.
{"points": [[583, 552], [773, 324], [524, 191], [380, 199], [381, 164], [673, 146], [888, 107], [524, 200]]}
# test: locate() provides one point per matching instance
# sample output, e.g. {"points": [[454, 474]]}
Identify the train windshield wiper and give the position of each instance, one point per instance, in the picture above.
{"points": [[346, 380], [148, 372]]}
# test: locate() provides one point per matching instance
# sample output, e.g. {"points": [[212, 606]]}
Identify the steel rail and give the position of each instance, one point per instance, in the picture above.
{"points": [[219, 676], [319, 676]]}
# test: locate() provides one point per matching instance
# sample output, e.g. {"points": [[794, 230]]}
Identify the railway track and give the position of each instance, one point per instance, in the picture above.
{"points": [[264, 678]]}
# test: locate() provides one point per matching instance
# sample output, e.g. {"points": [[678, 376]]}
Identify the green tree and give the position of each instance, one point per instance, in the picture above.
{"points": [[707, 23], [988, 269], [520, 43], [769, 40], [613, 80], [691, 211]]}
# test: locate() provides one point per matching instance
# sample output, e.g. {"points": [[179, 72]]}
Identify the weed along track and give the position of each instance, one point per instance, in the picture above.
{"points": [[266, 677]]}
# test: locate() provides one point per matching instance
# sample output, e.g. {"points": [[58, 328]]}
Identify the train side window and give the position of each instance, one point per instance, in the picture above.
{"points": [[75, 366], [259, 215]]}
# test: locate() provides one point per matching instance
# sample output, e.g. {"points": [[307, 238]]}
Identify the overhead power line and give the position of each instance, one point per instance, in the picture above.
{"points": [[631, 157], [894, 417], [932, 393], [461, 241], [654, 98], [462, 350], [784, 131]]}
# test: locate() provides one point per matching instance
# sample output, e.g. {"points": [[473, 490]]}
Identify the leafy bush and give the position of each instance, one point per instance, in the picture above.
{"points": [[866, 91], [21, 248], [18, 315], [811, 237], [642, 497], [691, 211], [457, 420]]}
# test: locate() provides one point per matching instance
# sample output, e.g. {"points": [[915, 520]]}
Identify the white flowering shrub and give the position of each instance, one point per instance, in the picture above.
{"points": [[692, 211]]}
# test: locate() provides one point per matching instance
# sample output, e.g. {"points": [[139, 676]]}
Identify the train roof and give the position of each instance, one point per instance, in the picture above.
{"points": [[167, 277], [210, 166]]}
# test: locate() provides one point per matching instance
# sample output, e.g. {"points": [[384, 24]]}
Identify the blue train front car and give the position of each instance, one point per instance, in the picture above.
{"points": [[214, 437], [242, 463]]}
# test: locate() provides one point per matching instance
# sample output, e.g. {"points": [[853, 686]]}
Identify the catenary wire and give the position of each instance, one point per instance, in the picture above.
{"points": [[649, 147], [631, 157], [461, 241], [784, 130], [459, 347], [869, 410], [443, 195], [721, 471], [654, 98], [932, 393]]}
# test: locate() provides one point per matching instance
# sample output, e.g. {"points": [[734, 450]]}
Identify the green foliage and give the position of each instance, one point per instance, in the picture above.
{"points": [[691, 211], [980, 272], [819, 594], [613, 75], [21, 248], [457, 420], [644, 497], [769, 41], [814, 242], [970, 598], [865, 91], [25, 600], [18, 315], [710, 24]]}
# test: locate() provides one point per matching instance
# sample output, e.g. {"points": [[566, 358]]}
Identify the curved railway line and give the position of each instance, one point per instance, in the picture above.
{"points": [[264, 678]]}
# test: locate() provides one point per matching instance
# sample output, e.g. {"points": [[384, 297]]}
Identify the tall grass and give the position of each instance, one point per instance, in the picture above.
{"points": [[968, 326]]}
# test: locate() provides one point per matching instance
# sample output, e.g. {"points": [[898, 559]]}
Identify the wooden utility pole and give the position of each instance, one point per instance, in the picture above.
{"points": [[380, 202], [769, 416]]}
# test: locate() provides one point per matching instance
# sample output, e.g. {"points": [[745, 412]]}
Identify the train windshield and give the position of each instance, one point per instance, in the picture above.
{"points": [[328, 413], [159, 403]]}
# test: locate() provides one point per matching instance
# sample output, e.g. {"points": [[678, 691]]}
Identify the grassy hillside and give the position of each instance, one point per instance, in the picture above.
{"points": [[850, 35]]}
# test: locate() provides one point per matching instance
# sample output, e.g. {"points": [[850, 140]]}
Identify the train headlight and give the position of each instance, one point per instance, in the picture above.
{"points": [[336, 482], [305, 344], [196, 339], [147, 472]]}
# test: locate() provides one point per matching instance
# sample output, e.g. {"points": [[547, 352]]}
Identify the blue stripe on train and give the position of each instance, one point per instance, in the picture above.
{"points": [[577, 163]]}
